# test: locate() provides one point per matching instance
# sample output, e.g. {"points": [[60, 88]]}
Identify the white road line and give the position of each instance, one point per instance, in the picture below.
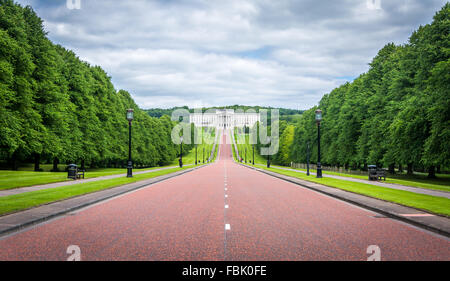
{"points": [[226, 196], [226, 206], [227, 227]]}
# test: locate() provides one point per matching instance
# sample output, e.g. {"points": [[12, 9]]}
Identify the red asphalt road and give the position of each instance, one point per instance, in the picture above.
{"points": [[184, 218]]}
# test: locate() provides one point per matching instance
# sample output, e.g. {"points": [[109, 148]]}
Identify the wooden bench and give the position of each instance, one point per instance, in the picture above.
{"points": [[381, 174], [376, 173], [80, 173]]}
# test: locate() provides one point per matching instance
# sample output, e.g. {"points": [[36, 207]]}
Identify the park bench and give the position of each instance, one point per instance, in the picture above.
{"points": [[381, 174], [80, 173], [376, 173], [74, 173]]}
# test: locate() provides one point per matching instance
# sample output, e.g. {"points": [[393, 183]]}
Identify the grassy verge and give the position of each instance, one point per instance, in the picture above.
{"points": [[421, 181], [207, 144], [433, 204], [19, 202], [17, 179], [243, 143]]}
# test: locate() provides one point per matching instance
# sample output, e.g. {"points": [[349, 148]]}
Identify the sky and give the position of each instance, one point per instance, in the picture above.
{"points": [[203, 53]]}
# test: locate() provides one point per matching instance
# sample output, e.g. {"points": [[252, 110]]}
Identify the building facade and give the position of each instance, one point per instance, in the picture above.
{"points": [[224, 118]]}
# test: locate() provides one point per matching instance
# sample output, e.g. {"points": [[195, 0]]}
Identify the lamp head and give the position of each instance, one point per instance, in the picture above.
{"points": [[130, 115], [318, 115]]}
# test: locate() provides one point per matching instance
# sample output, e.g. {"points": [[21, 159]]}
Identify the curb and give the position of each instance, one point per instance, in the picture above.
{"points": [[88, 203], [373, 208]]}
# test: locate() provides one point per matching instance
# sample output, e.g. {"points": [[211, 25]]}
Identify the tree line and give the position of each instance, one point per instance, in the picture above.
{"points": [[55, 108], [284, 112], [396, 115]]}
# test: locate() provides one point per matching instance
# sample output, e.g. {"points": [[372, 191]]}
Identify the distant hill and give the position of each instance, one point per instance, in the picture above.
{"points": [[284, 112]]}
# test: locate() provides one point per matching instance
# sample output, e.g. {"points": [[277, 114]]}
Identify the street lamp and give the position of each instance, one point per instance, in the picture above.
{"points": [[181, 152], [307, 159], [203, 154], [130, 115], [245, 154], [196, 154], [253, 148], [318, 120], [268, 154]]}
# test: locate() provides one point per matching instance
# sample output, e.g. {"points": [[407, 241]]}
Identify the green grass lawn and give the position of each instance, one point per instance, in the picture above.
{"points": [[442, 182], [433, 204], [14, 203], [17, 179], [207, 143], [420, 180], [244, 143]]}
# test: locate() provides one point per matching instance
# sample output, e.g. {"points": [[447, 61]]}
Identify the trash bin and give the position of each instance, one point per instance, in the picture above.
{"points": [[372, 172], [72, 171]]}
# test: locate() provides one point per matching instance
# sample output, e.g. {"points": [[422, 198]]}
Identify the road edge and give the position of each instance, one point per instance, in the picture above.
{"points": [[353, 199], [98, 197]]}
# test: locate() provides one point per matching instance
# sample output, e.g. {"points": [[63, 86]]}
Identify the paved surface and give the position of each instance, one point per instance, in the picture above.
{"points": [[66, 183], [19, 220], [435, 223], [438, 193], [224, 212]]}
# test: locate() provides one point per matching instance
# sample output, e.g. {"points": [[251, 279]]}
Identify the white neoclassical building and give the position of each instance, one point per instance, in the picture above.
{"points": [[224, 118]]}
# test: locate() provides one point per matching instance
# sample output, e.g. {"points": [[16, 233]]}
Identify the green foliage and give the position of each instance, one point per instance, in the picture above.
{"points": [[287, 114], [56, 108], [398, 113]]}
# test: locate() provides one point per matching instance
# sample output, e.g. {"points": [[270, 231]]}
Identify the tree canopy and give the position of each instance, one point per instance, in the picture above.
{"points": [[56, 108], [397, 113]]}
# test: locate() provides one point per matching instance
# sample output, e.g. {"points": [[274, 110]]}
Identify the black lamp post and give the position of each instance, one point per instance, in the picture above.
{"points": [[253, 148], [203, 154], [181, 152], [268, 154], [195, 154], [130, 114], [318, 120], [246, 155], [307, 159]]}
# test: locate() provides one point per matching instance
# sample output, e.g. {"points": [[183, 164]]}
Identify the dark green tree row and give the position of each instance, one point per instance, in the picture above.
{"points": [[290, 114], [56, 108], [395, 115]]}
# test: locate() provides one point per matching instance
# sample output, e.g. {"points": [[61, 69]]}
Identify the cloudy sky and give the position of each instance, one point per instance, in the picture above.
{"points": [[211, 53]]}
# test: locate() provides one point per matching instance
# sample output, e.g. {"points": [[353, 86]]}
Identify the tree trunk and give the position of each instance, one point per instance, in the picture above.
{"points": [[37, 158], [438, 169], [82, 165], [391, 168], [13, 162], [431, 172], [55, 164], [410, 169], [400, 168], [365, 167]]}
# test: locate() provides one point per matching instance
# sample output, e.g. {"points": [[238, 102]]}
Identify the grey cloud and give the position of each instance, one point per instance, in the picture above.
{"points": [[273, 53]]}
